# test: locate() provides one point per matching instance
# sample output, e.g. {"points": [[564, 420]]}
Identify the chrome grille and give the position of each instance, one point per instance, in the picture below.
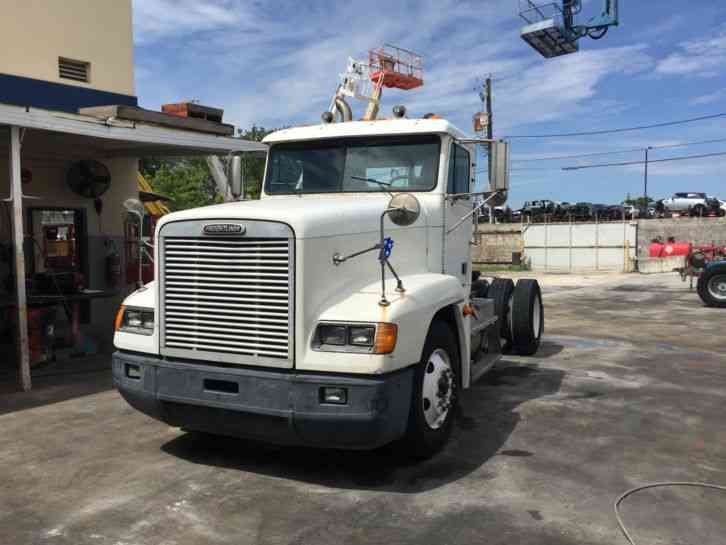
{"points": [[227, 298]]}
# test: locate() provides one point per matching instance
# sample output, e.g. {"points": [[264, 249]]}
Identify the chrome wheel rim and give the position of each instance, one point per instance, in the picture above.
{"points": [[438, 388], [717, 287], [537, 317]]}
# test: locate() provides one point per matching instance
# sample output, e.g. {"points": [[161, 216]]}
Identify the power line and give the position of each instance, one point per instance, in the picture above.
{"points": [[627, 163], [558, 157], [615, 152], [626, 129]]}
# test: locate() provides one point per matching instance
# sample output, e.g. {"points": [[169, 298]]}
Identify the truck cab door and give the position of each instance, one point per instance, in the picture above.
{"points": [[457, 253]]}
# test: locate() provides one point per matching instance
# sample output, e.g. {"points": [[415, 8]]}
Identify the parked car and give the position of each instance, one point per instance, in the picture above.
{"points": [[631, 211], [582, 211], [537, 209], [683, 202], [615, 212], [695, 204], [502, 214]]}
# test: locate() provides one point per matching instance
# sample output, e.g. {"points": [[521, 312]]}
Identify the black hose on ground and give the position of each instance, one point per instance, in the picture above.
{"points": [[655, 485]]}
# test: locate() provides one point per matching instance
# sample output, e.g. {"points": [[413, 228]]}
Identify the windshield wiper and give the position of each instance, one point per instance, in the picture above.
{"points": [[363, 179]]}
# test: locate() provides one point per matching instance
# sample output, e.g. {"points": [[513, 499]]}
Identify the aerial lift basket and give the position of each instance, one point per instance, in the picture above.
{"points": [[395, 67], [546, 30]]}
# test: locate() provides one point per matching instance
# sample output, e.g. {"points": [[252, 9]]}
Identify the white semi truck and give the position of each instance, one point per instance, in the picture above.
{"points": [[339, 310]]}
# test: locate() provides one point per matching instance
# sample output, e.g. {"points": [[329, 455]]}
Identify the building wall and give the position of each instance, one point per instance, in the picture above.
{"points": [[36, 32], [580, 247], [696, 230], [497, 242]]}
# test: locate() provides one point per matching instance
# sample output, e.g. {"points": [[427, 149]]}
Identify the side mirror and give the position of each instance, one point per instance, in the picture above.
{"points": [[500, 166], [404, 209], [135, 206], [236, 179]]}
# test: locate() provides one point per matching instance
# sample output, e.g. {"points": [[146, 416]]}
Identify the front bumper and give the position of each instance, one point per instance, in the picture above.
{"points": [[275, 406]]}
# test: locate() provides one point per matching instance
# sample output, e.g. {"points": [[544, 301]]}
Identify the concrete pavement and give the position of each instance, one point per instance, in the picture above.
{"points": [[628, 388]]}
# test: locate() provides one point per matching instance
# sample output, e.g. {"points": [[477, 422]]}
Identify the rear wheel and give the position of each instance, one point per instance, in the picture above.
{"points": [[501, 292], [527, 319], [698, 211], [712, 286], [434, 397]]}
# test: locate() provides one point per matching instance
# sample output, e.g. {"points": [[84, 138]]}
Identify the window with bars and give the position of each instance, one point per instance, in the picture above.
{"points": [[74, 70]]}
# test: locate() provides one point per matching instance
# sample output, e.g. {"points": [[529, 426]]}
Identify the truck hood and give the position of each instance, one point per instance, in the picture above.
{"points": [[311, 216]]}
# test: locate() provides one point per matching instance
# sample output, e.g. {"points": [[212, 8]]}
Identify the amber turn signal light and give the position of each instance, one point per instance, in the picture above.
{"points": [[386, 335], [119, 318]]}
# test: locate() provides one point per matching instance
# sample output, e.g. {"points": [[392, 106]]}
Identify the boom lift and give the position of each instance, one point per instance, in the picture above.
{"points": [[387, 66], [551, 28]]}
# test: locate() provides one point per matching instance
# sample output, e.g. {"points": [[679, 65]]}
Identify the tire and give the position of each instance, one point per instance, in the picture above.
{"points": [[430, 421], [479, 288], [712, 286], [527, 320], [501, 292], [698, 211]]}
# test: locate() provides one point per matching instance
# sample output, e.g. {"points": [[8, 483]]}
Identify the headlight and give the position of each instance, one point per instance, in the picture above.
{"points": [[135, 320], [357, 338]]}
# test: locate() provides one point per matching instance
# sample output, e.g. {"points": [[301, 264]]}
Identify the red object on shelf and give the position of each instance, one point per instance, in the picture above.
{"points": [[397, 67]]}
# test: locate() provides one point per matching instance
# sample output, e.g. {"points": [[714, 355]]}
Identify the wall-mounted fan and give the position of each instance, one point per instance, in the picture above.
{"points": [[89, 179]]}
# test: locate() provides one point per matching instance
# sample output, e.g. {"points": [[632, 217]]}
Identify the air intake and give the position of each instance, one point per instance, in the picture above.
{"points": [[75, 70]]}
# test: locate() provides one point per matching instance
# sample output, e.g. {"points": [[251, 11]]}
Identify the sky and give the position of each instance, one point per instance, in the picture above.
{"points": [[276, 63]]}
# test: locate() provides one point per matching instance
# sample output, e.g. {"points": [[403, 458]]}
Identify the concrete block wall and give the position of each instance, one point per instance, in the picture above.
{"points": [[497, 242], [695, 230]]}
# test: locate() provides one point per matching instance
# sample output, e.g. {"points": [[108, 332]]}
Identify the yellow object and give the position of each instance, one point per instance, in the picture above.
{"points": [[386, 335], [119, 318], [154, 208]]}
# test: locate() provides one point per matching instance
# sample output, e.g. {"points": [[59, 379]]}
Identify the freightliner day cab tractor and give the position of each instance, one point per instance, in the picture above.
{"points": [[339, 310]]}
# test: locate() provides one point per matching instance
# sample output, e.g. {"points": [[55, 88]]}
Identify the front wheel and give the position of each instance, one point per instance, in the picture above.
{"points": [[434, 399], [712, 286]]}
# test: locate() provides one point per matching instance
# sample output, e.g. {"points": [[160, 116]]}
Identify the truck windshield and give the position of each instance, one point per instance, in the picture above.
{"points": [[354, 165]]}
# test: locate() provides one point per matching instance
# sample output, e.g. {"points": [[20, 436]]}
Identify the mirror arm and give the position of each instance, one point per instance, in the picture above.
{"points": [[338, 259], [474, 211]]}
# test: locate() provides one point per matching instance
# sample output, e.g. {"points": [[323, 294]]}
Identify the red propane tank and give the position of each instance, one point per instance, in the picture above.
{"points": [[667, 249]]}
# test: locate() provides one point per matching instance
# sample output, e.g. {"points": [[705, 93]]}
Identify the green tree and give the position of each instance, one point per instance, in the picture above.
{"points": [[187, 182], [638, 201]]}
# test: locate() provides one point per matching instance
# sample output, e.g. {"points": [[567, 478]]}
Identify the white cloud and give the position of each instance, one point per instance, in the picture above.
{"points": [[708, 98], [283, 69], [702, 57], [156, 20]]}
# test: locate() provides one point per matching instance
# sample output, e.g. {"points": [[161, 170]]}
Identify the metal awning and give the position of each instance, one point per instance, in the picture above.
{"points": [[115, 137], [63, 137]]}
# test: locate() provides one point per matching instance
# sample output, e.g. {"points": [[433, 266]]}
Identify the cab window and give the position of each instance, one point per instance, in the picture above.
{"points": [[459, 164]]}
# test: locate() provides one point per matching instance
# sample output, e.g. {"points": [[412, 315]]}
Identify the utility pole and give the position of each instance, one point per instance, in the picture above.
{"points": [[490, 131], [645, 182]]}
